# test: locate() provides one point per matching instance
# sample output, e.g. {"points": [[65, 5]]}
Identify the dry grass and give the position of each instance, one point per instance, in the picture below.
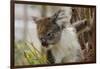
{"points": [[88, 38]]}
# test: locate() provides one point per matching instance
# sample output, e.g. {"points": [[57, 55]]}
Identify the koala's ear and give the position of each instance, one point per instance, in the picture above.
{"points": [[35, 19], [60, 18]]}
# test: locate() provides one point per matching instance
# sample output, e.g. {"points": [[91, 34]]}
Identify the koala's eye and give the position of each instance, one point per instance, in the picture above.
{"points": [[49, 34]]}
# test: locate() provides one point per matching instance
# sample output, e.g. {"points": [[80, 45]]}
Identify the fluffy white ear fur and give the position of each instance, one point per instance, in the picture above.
{"points": [[68, 49], [64, 16]]}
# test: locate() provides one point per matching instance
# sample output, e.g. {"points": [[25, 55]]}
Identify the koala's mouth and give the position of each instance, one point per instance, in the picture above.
{"points": [[44, 44]]}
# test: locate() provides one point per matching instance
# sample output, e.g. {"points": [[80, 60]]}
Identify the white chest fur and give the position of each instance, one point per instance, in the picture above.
{"points": [[68, 49]]}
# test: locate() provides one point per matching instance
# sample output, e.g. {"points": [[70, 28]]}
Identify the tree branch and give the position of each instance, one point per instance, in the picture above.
{"points": [[81, 26]]}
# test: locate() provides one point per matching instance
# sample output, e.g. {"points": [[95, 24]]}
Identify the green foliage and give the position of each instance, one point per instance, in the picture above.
{"points": [[27, 54]]}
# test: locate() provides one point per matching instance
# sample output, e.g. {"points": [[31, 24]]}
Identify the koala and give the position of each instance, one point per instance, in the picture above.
{"points": [[59, 38]]}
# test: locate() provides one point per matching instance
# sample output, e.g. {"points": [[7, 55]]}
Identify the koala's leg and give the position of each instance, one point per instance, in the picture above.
{"points": [[67, 60], [58, 60], [77, 57], [50, 57]]}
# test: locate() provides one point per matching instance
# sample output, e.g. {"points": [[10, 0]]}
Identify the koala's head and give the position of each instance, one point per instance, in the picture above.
{"points": [[49, 29]]}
